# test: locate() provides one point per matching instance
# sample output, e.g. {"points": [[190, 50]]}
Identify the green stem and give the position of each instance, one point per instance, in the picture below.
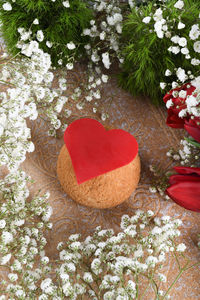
{"points": [[151, 279], [196, 264], [10, 59], [193, 142], [90, 287], [179, 267], [155, 287], [5, 82], [185, 268], [175, 280], [5, 266], [142, 296], [136, 279]]}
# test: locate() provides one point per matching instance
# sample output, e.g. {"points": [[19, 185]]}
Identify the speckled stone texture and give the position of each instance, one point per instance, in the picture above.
{"points": [[104, 191]]}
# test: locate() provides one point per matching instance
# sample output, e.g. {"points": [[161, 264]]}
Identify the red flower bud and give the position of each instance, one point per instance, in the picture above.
{"points": [[185, 188], [187, 170], [180, 178], [186, 194], [174, 121], [193, 128]]}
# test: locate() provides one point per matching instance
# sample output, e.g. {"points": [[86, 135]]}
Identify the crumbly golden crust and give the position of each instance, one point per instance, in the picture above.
{"points": [[104, 191]]}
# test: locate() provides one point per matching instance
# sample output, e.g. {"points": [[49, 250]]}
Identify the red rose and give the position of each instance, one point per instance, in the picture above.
{"points": [[185, 188], [193, 128], [173, 119]]}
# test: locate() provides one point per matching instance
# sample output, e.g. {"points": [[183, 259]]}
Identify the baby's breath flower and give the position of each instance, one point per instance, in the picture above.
{"points": [[66, 4], [162, 277], [87, 277], [181, 247], [71, 46], [146, 20], [36, 22], [67, 289], [44, 260], [2, 224], [69, 66], [13, 277], [151, 261], [5, 259], [40, 35], [7, 6], [75, 245], [103, 117], [7, 237], [152, 189], [179, 4]]}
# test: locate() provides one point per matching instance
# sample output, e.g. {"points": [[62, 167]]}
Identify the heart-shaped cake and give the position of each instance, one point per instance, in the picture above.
{"points": [[98, 167], [95, 151]]}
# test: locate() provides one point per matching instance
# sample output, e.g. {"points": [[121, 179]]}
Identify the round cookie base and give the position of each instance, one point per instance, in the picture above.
{"points": [[104, 191]]}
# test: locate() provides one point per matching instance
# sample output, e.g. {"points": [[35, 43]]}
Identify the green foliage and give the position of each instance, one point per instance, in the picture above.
{"points": [[147, 56], [59, 24]]}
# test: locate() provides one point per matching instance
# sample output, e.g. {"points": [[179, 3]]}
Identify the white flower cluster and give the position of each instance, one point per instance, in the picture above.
{"points": [[30, 92], [180, 46], [27, 41], [14, 134], [106, 31], [96, 266], [22, 241], [191, 102], [7, 6], [66, 4], [104, 46], [90, 87], [188, 154], [170, 29], [139, 249]]}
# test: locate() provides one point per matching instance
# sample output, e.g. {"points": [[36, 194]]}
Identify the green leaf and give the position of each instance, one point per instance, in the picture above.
{"points": [[193, 142]]}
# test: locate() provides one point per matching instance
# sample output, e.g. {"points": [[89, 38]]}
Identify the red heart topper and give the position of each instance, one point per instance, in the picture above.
{"points": [[95, 151]]}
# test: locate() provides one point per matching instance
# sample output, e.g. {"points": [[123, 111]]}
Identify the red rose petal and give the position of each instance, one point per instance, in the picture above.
{"points": [[193, 130], [167, 97], [190, 90], [186, 194], [174, 121], [182, 178], [187, 170]]}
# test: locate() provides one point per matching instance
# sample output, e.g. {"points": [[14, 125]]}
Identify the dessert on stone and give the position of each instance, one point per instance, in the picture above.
{"points": [[98, 168]]}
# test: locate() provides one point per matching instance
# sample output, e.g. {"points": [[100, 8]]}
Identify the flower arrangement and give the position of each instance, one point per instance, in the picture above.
{"points": [[105, 265], [162, 44], [29, 92], [116, 32], [21, 232], [93, 39], [183, 107], [183, 104], [54, 24]]}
